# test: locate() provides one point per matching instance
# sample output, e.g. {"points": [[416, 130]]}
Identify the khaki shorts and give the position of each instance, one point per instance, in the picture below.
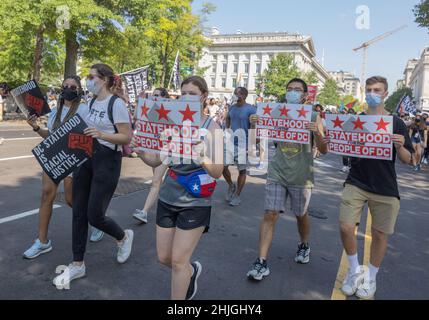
{"points": [[384, 210]]}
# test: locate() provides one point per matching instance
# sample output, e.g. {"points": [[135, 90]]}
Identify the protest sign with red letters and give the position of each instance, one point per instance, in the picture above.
{"points": [[30, 99], [168, 125], [360, 136], [284, 122], [312, 94]]}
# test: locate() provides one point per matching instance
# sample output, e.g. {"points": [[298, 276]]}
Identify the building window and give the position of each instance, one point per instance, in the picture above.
{"points": [[258, 68], [247, 56], [235, 67], [213, 82], [223, 82], [245, 82], [214, 67], [235, 56], [246, 68], [234, 82], [225, 68], [215, 57]]}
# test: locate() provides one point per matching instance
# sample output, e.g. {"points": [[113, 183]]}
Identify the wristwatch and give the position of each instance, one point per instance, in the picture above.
{"points": [[37, 129]]}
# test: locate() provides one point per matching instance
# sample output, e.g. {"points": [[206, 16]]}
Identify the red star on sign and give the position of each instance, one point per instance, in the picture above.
{"points": [[358, 124], [302, 112], [284, 111], [163, 113], [188, 114], [382, 125], [338, 123], [145, 109], [267, 110]]}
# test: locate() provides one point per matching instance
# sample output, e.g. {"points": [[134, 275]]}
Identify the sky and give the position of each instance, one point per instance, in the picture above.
{"points": [[332, 24]]}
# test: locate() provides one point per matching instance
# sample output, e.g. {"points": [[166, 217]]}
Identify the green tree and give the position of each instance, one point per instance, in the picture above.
{"points": [[394, 99], [280, 70], [329, 93], [310, 77], [421, 12]]}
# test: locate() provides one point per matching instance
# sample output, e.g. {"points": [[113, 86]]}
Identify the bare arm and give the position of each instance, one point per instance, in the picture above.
{"points": [[122, 137], [32, 121]]}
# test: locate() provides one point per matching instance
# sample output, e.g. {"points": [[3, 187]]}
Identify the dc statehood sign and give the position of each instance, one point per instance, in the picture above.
{"points": [[168, 125], [30, 99], [360, 136], [65, 149], [284, 122]]}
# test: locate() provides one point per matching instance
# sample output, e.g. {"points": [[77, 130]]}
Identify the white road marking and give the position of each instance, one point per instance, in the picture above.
{"points": [[24, 214], [18, 139], [16, 158]]}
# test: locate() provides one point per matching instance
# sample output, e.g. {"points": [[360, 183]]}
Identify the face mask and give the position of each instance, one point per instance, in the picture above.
{"points": [[234, 99], [373, 100], [69, 94], [418, 120], [293, 97], [92, 87]]}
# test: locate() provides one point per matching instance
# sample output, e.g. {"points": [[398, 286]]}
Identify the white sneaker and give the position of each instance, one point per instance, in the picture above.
{"points": [[231, 192], [367, 290], [72, 272], [124, 249], [140, 215], [345, 169], [235, 201], [352, 282], [96, 235], [425, 161]]}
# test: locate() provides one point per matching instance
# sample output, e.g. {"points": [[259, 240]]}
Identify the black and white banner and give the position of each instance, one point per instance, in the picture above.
{"points": [[136, 81]]}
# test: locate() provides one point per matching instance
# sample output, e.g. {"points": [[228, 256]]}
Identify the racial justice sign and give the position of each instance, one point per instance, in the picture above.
{"points": [[65, 149], [360, 136], [168, 125], [30, 100], [284, 122]]}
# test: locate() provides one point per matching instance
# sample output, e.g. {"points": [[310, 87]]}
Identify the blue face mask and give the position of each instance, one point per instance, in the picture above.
{"points": [[92, 87], [373, 100], [294, 97]]}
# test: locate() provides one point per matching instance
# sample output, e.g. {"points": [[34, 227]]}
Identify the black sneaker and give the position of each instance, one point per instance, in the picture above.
{"points": [[259, 270], [303, 254], [193, 288]]}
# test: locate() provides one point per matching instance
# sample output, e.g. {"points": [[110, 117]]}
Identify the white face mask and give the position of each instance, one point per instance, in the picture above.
{"points": [[92, 87]]}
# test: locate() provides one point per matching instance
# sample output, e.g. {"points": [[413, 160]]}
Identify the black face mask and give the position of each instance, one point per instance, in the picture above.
{"points": [[69, 94], [418, 120]]}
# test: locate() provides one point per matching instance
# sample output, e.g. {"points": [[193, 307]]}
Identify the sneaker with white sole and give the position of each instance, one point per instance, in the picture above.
{"points": [[140, 215], [124, 248], [303, 254], [345, 169], [367, 290], [72, 272], [259, 270], [193, 287], [261, 166], [231, 192], [352, 282], [96, 235], [37, 249], [235, 201]]}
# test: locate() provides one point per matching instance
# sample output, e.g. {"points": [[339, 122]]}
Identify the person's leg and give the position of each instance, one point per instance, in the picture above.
{"points": [[227, 176], [49, 191], [303, 223], [414, 158], [299, 203], [156, 185], [68, 191], [418, 153], [266, 232], [241, 181], [378, 247], [184, 244], [164, 244]]}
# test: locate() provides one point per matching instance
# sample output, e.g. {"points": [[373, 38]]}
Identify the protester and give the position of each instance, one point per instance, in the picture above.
{"points": [[158, 174], [419, 136], [95, 180], [372, 182], [69, 105], [290, 175], [238, 121], [425, 158], [181, 216]]}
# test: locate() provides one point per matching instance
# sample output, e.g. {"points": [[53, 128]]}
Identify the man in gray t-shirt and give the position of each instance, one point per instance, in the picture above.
{"points": [[238, 121]]}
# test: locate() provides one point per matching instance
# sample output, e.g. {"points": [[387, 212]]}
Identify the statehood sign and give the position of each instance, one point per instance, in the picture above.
{"points": [[360, 136], [284, 122], [170, 126], [65, 149], [30, 99]]}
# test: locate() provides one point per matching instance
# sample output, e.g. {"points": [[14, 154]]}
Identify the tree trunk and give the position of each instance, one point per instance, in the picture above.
{"points": [[72, 47], [38, 51], [164, 66]]}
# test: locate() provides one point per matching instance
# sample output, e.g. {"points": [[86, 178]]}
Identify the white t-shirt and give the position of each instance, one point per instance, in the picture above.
{"points": [[98, 118], [82, 110]]}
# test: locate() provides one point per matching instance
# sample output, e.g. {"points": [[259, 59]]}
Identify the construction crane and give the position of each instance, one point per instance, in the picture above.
{"points": [[365, 46]]}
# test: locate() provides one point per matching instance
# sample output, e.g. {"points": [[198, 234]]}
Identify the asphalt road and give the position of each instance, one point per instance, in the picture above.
{"points": [[226, 252]]}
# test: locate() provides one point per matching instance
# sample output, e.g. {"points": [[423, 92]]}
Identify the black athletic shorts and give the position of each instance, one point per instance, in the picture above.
{"points": [[185, 218]]}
